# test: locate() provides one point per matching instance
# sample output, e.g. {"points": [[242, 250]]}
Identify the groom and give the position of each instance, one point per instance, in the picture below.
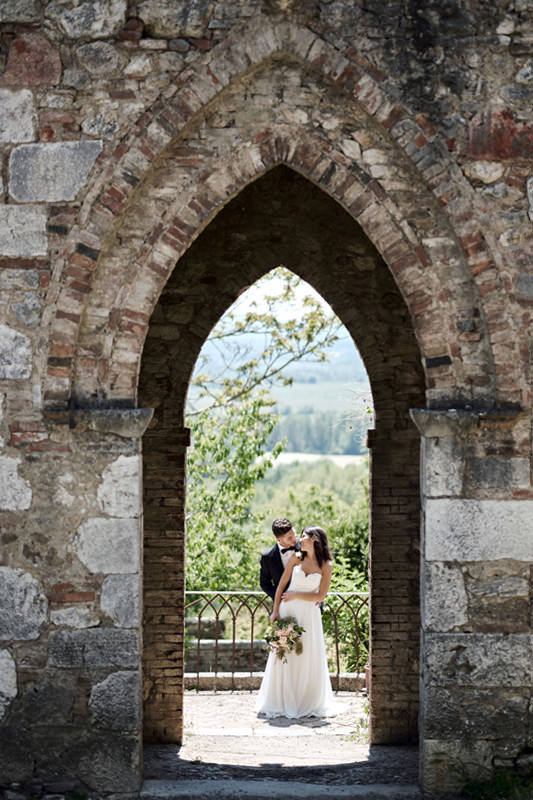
{"points": [[274, 561]]}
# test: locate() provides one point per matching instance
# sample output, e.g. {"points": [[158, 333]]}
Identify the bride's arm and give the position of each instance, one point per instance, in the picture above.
{"points": [[315, 597], [283, 581]]}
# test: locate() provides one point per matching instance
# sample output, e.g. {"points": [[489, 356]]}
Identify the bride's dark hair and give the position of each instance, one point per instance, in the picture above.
{"points": [[320, 541]]}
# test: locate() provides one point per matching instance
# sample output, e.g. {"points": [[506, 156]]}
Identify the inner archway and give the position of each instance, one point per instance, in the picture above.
{"points": [[282, 218]]}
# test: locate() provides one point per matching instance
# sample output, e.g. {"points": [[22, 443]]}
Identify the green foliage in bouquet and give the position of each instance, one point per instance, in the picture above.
{"points": [[284, 636]]}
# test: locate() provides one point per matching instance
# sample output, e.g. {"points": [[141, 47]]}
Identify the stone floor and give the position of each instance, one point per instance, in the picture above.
{"points": [[226, 743]]}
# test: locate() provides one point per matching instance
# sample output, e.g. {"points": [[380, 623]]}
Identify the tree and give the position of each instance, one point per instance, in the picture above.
{"points": [[231, 417]]}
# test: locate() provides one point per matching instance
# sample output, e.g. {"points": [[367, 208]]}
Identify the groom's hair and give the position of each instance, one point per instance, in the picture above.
{"points": [[281, 526]]}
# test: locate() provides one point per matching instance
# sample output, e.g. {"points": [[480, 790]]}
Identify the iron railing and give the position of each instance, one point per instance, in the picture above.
{"points": [[224, 632]]}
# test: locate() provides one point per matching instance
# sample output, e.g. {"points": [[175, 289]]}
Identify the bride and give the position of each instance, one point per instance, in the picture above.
{"points": [[301, 686]]}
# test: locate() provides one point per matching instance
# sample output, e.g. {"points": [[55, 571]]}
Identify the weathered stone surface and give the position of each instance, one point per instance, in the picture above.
{"points": [[92, 19], [25, 606], [45, 704], [19, 11], [447, 763], [125, 422], [15, 354], [485, 473], [484, 171], [16, 754], [494, 713], [19, 279], [529, 187], [525, 280], [94, 647], [525, 73], [115, 703], [18, 118], [479, 530], [51, 172], [108, 545], [445, 603], [8, 680], [443, 467], [475, 659], [15, 492], [28, 311], [119, 491], [74, 617], [180, 20], [23, 231], [101, 58], [32, 61], [498, 596], [120, 599], [111, 763]]}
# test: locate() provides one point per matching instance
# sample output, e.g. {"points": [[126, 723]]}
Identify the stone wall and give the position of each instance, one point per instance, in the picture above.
{"points": [[126, 133]]}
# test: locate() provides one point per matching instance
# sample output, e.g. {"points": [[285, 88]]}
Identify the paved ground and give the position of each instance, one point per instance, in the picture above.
{"points": [[226, 741]]}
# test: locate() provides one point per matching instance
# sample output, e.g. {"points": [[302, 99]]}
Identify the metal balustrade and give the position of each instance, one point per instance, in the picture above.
{"points": [[224, 633]]}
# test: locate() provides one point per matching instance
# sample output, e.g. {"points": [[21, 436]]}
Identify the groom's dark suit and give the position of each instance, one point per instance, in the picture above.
{"points": [[271, 570]]}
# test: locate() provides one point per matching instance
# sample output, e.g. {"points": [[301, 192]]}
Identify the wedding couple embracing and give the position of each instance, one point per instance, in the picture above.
{"points": [[296, 575]]}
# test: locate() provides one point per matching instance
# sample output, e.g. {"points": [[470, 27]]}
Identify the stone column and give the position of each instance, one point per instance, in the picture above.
{"points": [[477, 549], [70, 676]]}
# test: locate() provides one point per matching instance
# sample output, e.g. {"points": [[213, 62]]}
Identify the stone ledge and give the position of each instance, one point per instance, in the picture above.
{"points": [[130, 423], [458, 422]]}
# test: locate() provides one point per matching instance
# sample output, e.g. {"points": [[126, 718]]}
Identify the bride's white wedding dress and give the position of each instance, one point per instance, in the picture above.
{"points": [[301, 687]]}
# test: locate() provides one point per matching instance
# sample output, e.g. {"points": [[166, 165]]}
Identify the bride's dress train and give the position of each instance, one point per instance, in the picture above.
{"points": [[301, 687]]}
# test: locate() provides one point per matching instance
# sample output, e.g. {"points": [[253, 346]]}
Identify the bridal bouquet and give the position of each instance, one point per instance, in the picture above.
{"points": [[285, 636]]}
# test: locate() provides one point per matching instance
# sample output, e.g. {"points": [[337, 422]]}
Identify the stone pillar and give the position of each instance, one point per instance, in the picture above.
{"points": [[70, 590], [477, 549], [394, 583]]}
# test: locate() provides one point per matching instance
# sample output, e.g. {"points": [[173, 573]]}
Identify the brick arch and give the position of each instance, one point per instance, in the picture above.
{"points": [[284, 218], [93, 358]]}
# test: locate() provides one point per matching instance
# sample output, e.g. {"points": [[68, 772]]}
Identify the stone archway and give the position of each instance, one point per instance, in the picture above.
{"points": [[282, 218]]}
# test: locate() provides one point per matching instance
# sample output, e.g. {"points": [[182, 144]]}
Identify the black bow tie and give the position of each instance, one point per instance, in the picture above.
{"points": [[286, 549]]}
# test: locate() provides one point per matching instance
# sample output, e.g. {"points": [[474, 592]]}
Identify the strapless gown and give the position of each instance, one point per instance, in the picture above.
{"points": [[301, 687]]}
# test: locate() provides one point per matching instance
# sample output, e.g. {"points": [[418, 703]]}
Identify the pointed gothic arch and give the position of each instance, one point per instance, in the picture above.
{"points": [[413, 203], [283, 218]]}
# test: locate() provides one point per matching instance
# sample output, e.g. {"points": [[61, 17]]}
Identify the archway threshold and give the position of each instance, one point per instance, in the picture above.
{"points": [[229, 752]]}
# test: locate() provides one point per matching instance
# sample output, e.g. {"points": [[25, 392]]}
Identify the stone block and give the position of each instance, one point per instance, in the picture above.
{"points": [[498, 596], [498, 473], [74, 617], [23, 231], [111, 763], [477, 659], [28, 311], [101, 58], [16, 754], [460, 712], [19, 279], [20, 11], [24, 605], [115, 703], [15, 354], [176, 20], [484, 171], [120, 488], [478, 530], [8, 681], [120, 599], [109, 546], [446, 764], [15, 492], [525, 280], [529, 189], [17, 121], [45, 704], [442, 472], [32, 61], [93, 19], [444, 604], [51, 171], [94, 647]]}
